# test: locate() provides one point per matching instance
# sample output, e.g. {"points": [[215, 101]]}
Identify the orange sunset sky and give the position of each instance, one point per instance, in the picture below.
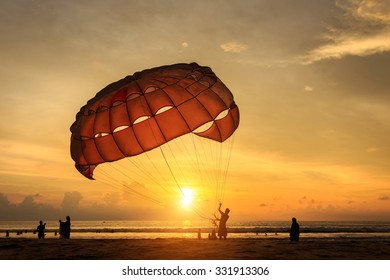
{"points": [[311, 79]]}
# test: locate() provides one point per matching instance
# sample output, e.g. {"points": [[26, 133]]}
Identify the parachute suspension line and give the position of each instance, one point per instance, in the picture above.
{"points": [[145, 174], [148, 174], [170, 170], [108, 179], [195, 209], [200, 159], [178, 163], [207, 161], [160, 174], [133, 190], [225, 157], [218, 162], [200, 172], [193, 154], [219, 159], [203, 161], [213, 166], [126, 188], [229, 156]]}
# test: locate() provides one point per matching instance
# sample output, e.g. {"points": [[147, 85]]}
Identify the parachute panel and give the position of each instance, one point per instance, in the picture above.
{"points": [[119, 117], [137, 107], [196, 88], [86, 126], [177, 94], [172, 124], [186, 82], [223, 128], [212, 102], [194, 120], [223, 92], [101, 124], [128, 143], [90, 152], [148, 134], [108, 148], [158, 99], [120, 96], [77, 151]]}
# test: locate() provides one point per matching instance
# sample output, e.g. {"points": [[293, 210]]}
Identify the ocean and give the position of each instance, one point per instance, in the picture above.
{"points": [[189, 229]]}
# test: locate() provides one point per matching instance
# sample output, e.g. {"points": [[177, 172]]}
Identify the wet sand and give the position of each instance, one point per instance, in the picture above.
{"points": [[192, 249]]}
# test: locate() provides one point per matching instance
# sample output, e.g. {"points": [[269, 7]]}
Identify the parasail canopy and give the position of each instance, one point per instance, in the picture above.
{"points": [[149, 108]]}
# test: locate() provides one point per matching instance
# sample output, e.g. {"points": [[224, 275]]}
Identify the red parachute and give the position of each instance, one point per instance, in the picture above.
{"points": [[145, 110]]}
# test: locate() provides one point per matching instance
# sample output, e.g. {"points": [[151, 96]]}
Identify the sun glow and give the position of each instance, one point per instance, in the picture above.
{"points": [[187, 197]]}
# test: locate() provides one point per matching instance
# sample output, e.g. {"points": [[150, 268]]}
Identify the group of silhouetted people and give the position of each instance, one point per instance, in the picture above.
{"points": [[64, 229], [222, 229]]}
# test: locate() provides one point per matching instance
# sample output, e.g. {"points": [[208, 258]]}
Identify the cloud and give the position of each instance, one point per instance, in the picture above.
{"points": [[363, 29], [384, 198], [376, 10], [71, 200], [351, 45], [234, 47], [308, 88], [28, 209], [4, 200], [371, 150]]}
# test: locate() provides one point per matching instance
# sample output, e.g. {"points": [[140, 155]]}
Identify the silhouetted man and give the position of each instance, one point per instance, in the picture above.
{"points": [[294, 232], [41, 230]]}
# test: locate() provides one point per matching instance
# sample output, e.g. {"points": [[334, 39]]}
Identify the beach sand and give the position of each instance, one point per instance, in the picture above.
{"points": [[192, 249]]}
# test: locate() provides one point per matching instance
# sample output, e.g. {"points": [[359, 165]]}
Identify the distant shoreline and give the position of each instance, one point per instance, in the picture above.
{"points": [[184, 229], [363, 248]]}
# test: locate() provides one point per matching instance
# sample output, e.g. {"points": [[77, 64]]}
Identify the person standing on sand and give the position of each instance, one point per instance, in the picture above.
{"points": [[65, 228], [294, 231], [41, 230], [222, 230]]}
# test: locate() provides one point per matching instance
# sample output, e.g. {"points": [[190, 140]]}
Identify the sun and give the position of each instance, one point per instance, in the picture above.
{"points": [[187, 197]]}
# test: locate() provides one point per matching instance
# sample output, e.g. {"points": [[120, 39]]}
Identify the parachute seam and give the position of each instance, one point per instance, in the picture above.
{"points": [[178, 111], [94, 142], [196, 96], [147, 103], [112, 132], [212, 119], [130, 124], [193, 97]]}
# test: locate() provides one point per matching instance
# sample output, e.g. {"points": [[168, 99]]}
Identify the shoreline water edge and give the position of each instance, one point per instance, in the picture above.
{"points": [[185, 229]]}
